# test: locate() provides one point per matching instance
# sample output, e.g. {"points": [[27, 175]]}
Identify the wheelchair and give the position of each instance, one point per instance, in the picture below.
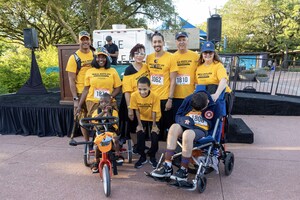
{"points": [[212, 152]]}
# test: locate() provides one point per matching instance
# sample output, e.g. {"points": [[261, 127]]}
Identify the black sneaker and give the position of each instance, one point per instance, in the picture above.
{"points": [[163, 172], [180, 175], [153, 162], [140, 162]]}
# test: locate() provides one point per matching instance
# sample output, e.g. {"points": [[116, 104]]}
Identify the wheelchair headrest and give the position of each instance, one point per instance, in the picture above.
{"points": [[209, 89]]}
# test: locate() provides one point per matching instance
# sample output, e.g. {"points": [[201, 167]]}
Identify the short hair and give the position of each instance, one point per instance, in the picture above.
{"points": [[199, 100], [135, 49], [144, 80], [108, 38], [156, 33], [105, 95]]}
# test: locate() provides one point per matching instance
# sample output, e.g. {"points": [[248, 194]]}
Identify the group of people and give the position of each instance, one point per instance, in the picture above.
{"points": [[158, 94]]}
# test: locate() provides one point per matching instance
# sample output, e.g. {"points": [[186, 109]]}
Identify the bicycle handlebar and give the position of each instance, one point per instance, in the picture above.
{"points": [[91, 122]]}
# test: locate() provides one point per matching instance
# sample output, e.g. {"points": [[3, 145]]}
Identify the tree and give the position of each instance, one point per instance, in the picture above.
{"points": [[261, 25], [59, 21]]}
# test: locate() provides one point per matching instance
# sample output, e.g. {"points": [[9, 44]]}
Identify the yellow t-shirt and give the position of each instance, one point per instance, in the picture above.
{"points": [[101, 81], [146, 105], [114, 114], [129, 83], [211, 74], [86, 60], [198, 119], [187, 64], [160, 70]]}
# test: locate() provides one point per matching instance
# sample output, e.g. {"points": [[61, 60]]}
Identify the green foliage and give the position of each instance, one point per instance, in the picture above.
{"points": [[15, 68], [59, 21], [261, 25]]}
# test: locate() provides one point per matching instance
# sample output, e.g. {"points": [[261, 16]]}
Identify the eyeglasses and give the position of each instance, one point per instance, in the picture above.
{"points": [[208, 52], [139, 53]]}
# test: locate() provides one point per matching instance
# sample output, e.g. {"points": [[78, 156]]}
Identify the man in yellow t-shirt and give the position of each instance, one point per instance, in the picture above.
{"points": [[76, 74], [162, 76], [187, 62]]}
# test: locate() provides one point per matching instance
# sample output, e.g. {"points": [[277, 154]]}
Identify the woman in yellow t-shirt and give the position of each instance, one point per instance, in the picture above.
{"points": [[133, 72], [98, 80], [211, 71]]}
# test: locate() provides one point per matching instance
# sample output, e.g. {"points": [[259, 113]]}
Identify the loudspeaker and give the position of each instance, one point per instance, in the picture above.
{"points": [[214, 28], [30, 38]]}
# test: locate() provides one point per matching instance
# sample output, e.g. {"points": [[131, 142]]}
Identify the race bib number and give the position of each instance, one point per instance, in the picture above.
{"points": [[157, 79], [99, 91], [183, 80], [199, 121]]}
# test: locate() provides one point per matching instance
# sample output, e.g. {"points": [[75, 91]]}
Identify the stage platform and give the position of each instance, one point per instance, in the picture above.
{"points": [[265, 104], [42, 115]]}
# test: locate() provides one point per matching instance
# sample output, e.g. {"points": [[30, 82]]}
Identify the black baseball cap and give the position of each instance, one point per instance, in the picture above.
{"points": [[181, 34]]}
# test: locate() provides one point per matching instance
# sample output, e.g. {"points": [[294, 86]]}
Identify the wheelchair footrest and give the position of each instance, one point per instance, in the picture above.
{"points": [[148, 174], [182, 184]]}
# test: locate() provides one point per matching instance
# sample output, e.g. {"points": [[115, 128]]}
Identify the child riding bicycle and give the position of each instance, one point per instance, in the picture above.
{"points": [[106, 109]]}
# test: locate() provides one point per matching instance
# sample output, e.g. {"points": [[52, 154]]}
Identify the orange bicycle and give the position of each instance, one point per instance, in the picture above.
{"points": [[104, 142]]}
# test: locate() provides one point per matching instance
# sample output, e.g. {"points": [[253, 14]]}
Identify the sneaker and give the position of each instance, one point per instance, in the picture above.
{"points": [[215, 164], [153, 162], [120, 159], [140, 162], [180, 175], [163, 172], [95, 168]]}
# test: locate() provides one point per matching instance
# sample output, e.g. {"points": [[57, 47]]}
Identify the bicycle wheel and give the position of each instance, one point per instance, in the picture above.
{"points": [[129, 150], [106, 180], [86, 155]]}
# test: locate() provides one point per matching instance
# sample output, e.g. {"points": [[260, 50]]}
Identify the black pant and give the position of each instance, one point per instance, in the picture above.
{"points": [[141, 139], [165, 121]]}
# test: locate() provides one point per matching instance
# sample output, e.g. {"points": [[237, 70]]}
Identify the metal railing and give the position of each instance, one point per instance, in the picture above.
{"points": [[283, 79]]}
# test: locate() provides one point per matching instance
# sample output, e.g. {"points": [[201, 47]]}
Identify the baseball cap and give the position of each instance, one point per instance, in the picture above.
{"points": [[103, 142], [186, 122], [103, 50], [84, 34], [208, 46], [108, 38], [181, 34]]}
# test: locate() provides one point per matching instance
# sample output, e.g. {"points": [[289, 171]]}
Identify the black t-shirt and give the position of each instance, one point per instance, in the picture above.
{"points": [[112, 49]]}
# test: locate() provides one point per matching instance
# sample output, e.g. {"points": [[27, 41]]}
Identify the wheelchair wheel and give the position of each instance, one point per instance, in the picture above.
{"points": [[87, 155], [229, 163], [129, 151], [106, 180], [201, 183]]}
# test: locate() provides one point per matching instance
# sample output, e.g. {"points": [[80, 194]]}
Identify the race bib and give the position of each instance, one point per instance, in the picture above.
{"points": [[157, 79], [99, 91], [182, 79], [199, 121]]}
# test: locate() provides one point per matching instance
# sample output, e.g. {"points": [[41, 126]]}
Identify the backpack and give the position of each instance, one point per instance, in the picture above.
{"points": [[78, 62]]}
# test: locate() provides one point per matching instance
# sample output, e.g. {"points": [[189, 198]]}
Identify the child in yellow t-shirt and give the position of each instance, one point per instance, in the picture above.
{"points": [[106, 109], [147, 108]]}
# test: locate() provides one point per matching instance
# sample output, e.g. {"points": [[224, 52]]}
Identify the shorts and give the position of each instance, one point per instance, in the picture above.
{"points": [[198, 133]]}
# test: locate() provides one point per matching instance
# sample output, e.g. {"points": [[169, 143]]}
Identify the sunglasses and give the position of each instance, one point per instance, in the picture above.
{"points": [[208, 52], [139, 53]]}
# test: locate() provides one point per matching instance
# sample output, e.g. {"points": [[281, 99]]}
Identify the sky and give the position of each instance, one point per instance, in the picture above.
{"points": [[197, 11]]}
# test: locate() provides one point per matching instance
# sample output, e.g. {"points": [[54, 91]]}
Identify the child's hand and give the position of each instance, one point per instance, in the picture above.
{"points": [[155, 129], [139, 128], [107, 109]]}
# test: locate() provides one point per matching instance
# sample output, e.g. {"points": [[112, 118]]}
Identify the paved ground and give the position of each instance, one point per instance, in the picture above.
{"points": [[36, 168]]}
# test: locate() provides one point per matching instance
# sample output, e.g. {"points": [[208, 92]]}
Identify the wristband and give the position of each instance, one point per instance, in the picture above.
{"points": [[170, 98]]}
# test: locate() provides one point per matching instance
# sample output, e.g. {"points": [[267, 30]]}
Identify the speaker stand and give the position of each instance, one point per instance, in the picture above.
{"points": [[34, 85]]}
